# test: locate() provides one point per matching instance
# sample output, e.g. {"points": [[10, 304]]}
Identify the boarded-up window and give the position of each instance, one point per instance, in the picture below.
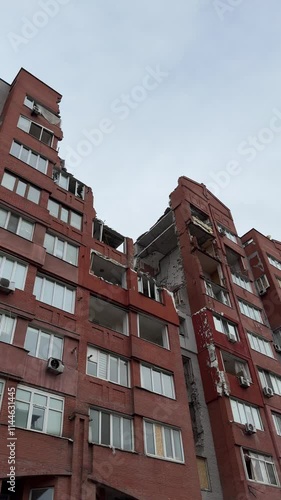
{"points": [[203, 473]]}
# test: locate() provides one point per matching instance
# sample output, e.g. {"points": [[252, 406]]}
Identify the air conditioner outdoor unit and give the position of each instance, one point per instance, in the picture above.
{"points": [[232, 338], [268, 392], [55, 365], [250, 428], [262, 292], [244, 382], [222, 232], [35, 110], [6, 286], [277, 347]]}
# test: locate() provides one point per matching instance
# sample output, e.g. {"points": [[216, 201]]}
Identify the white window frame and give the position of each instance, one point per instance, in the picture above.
{"points": [[246, 413], [276, 417], [16, 262], [231, 236], [224, 326], [70, 212], [274, 262], [41, 294], [2, 391], [97, 354], [3, 321], [250, 311], [163, 427], [66, 244], [19, 224], [48, 395], [161, 372], [241, 281], [37, 125], [111, 415], [261, 345], [152, 288], [261, 459], [262, 283], [51, 350], [50, 488], [30, 152], [28, 185], [271, 380]]}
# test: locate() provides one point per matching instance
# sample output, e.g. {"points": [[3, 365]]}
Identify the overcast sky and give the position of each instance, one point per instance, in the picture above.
{"points": [[161, 89]]}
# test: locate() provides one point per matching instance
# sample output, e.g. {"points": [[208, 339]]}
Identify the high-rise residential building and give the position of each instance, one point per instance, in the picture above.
{"points": [[227, 304], [92, 389]]}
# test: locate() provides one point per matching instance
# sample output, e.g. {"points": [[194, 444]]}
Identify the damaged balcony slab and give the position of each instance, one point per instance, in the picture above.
{"points": [[109, 236]]}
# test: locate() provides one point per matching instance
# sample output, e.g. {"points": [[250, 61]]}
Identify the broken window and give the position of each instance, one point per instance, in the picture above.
{"points": [[153, 331], [182, 326], [203, 472], [103, 233], [235, 366], [108, 270], [68, 182], [148, 287], [108, 315], [260, 468]]}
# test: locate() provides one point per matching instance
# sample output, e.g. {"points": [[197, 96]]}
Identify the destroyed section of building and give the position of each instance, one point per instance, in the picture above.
{"points": [[157, 251]]}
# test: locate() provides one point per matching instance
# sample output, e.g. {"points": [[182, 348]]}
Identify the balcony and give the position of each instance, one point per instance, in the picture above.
{"points": [[217, 292]]}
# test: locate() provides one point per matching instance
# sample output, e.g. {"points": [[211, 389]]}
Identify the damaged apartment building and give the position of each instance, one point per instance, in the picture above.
{"points": [[139, 372]]}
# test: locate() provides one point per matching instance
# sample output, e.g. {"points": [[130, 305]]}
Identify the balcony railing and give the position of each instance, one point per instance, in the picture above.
{"points": [[217, 292]]}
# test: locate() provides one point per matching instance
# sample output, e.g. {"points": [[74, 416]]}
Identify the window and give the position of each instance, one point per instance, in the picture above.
{"points": [[235, 366], [202, 466], [28, 156], [244, 413], [262, 283], [39, 411], [107, 366], [32, 128], [13, 271], [108, 270], [259, 344], [270, 380], [157, 381], [108, 315], [153, 331], [67, 181], [162, 441], [54, 293], [278, 281], [250, 311], [61, 249], [227, 233], [111, 430], [260, 468], [20, 187], [241, 281], [224, 326], [148, 287], [42, 494], [277, 422], [248, 242], [64, 214], [42, 344], [7, 328], [2, 385], [274, 262], [16, 224]]}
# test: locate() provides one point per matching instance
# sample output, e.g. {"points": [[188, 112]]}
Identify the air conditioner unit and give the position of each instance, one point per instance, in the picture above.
{"points": [[232, 338], [55, 365], [277, 347], [250, 428], [268, 392], [244, 382], [222, 231], [6, 286], [262, 292], [36, 110]]}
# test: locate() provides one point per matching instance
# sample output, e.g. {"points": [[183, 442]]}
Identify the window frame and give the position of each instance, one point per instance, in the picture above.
{"points": [[111, 436], [241, 281], [2, 381], [3, 317], [20, 221], [54, 282], [43, 129], [247, 408], [275, 417], [225, 326], [66, 244], [231, 236], [165, 333], [62, 207], [153, 291], [274, 262], [109, 356], [163, 427], [28, 185], [161, 372], [30, 151], [242, 308], [51, 348], [271, 380], [42, 489], [264, 342], [245, 451], [47, 407], [15, 263]]}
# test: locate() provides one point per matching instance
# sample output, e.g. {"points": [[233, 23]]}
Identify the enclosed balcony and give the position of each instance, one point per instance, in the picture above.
{"points": [[217, 292]]}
